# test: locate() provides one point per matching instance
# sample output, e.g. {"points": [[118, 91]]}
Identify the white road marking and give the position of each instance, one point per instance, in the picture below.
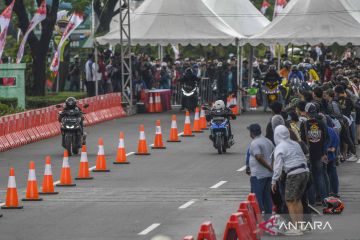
{"points": [[130, 153], [187, 204], [151, 145], [57, 182], [218, 184], [2, 204], [149, 229], [182, 133], [241, 169], [358, 161]]}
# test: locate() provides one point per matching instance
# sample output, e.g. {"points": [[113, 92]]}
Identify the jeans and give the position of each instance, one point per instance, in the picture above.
{"points": [[318, 187], [333, 177], [262, 189]]}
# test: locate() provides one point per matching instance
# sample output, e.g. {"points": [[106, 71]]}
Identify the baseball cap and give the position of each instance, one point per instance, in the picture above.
{"points": [[254, 128], [310, 108]]}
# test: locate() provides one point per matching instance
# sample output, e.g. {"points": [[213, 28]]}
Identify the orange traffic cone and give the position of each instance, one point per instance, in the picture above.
{"points": [[174, 137], [101, 159], [187, 126], [253, 103], [32, 193], [228, 101], [158, 106], [84, 173], [121, 153], [142, 145], [197, 127], [65, 176], [48, 182], [158, 142], [203, 124], [235, 110], [151, 103], [12, 201]]}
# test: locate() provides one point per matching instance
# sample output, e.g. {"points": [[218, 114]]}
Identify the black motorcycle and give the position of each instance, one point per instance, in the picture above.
{"points": [[73, 136], [189, 97]]}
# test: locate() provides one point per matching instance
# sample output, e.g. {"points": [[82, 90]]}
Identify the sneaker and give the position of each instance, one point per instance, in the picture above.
{"points": [[293, 232], [352, 158]]}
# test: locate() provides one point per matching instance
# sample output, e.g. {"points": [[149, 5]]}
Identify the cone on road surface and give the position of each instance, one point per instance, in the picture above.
{"points": [[151, 103], [12, 201], [65, 176], [206, 232], [253, 103], [235, 110], [121, 152], [174, 136], [142, 145], [203, 125], [32, 193], [84, 173], [101, 158], [187, 126], [158, 106], [48, 182], [158, 142], [197, 127]]}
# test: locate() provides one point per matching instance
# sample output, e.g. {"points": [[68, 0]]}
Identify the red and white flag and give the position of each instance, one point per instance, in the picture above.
{"points": [[5, 18], [280, 4], [264, 6], [75, 20], [39, 16]]}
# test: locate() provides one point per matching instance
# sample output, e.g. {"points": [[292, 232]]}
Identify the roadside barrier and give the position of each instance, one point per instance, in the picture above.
{"points": [[206, 232], [12, 200], [255, 205], [84, 173], [158, 141], [187, 126], [197, 127], [121, 152], [101, 158], [32, 193], [48, 182], [65, 176], [38, 124], [174, 137], [249, 213]]}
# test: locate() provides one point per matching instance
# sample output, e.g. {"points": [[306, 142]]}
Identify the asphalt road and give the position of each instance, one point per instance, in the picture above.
{"points": [[171, 192]]}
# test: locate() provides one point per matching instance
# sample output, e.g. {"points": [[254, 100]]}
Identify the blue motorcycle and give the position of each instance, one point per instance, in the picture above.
{"points": [[220, 130]]}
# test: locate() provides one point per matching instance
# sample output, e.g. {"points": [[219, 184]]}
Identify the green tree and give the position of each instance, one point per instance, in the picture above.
{"points": [[105, 11]]}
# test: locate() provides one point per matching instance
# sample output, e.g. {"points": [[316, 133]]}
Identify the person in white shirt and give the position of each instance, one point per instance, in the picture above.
{"points": [[90, 84]]}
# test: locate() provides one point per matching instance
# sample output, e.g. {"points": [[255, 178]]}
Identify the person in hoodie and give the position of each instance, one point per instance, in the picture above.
{"points": [[289, 156]]}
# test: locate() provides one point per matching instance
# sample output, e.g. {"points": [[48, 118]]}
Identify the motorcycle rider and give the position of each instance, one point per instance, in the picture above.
{"points": [[189, 79], [70, 105], [222, 111], [271, 77]]}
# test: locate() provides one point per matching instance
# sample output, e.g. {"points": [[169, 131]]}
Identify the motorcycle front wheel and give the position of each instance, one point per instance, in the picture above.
{"points": [[219, 144], [68, 143]]}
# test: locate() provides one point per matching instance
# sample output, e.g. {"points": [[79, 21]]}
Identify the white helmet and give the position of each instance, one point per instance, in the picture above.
{"points": [[219, 105]]}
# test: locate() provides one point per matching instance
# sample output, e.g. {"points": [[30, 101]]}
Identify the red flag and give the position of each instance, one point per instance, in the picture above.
{"points": [[264, 6], [4, 24], [280, 4], [39, 16], [75, 20]]}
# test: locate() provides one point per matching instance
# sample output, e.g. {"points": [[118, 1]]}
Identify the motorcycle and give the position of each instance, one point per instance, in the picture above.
{"points": [[272, 91], [189, 96], [72, 133], [219, 130]]}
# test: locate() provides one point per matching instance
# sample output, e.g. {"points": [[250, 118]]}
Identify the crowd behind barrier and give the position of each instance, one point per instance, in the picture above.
{"points": [[38, 124]]}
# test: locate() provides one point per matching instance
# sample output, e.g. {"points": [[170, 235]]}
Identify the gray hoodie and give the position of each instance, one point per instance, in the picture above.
{"points": [[287, 154]]}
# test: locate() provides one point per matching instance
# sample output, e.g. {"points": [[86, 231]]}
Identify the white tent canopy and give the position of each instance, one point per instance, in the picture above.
{"points": [[164, 22], [313, 22], [241, 15]]}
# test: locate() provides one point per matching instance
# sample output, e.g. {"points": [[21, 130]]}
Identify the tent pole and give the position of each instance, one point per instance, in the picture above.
{"points": [[240, 70], [274, 14], [238, 96], [278, 56]]}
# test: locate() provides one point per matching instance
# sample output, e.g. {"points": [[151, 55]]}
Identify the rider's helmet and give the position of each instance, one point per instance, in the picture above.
{"points": [[255, 64], [333, 206], [294, 68], [219, 105], [188, 71], [308, 66], [70, 103], [287, 64], [301, 66]]}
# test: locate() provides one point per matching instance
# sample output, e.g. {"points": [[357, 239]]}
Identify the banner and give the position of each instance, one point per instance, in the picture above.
{"points": [[75, 20], [280, 5], [39, 16], [4, 24]]}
